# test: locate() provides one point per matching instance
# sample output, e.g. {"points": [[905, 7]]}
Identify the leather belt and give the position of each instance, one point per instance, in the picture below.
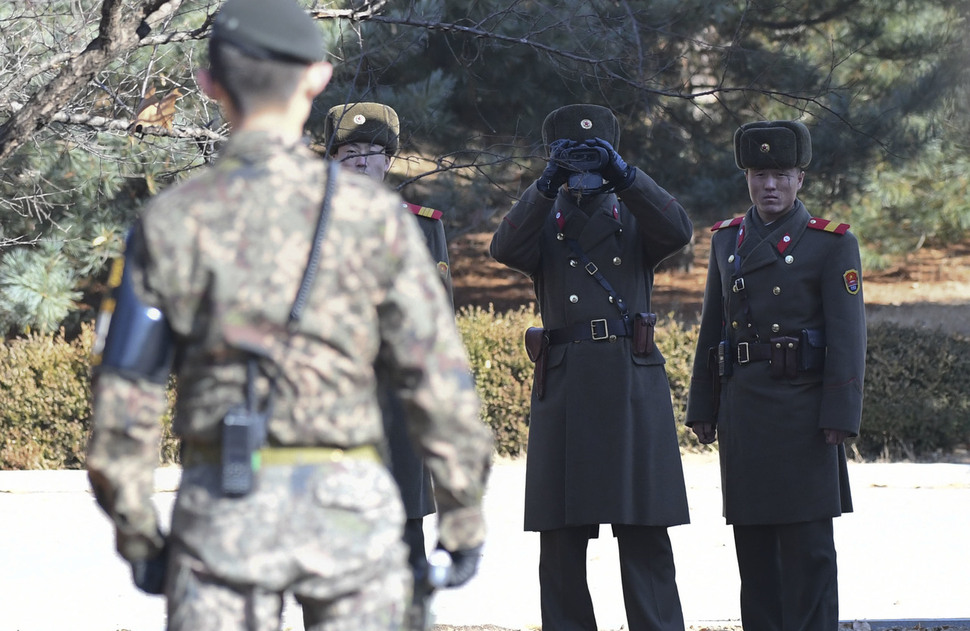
{"points": [[601, 330], [752, 352], [193, 455]]}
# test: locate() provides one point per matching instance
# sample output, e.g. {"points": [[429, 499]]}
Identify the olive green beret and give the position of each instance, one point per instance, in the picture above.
{"points": [[581, 122], [371, 123], [270, 29], [772, 145]]}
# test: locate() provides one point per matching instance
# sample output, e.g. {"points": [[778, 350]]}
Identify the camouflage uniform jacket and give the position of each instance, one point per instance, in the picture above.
{"points": [[222, 256], [412, 477]]}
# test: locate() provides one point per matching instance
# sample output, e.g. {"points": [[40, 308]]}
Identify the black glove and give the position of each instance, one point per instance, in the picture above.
{"points": [[615, 171], [554, 176], [149, 574], [464, 565]]}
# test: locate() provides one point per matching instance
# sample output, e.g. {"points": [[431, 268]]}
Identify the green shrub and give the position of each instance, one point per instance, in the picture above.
{"points": [[917, 393], [503, 372], [678, 341], [917, 396], [46, 413], [46, 402]]}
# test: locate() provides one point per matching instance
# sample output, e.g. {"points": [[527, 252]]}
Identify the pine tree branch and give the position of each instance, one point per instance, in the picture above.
{"points": [[103, 123], [368, 10], [599, 63], [117, 34]]}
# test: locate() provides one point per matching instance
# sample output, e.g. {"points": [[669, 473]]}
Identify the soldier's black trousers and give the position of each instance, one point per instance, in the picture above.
{"points": [[646, 571], [789, 577]]}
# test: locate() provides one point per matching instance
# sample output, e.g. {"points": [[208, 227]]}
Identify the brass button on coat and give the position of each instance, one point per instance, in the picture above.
{"points": [[574, 299]]}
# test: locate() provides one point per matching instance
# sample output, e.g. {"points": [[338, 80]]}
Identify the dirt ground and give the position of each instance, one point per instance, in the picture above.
{"points": [[930, 288]]}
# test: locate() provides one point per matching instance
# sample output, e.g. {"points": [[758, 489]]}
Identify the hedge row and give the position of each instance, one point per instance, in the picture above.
{"points": [[917, 399]]}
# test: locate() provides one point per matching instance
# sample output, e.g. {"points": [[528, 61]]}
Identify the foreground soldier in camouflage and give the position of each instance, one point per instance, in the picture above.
{"points": [[210, 274]]}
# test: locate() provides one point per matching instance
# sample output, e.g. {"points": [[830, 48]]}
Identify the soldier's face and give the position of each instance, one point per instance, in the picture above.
{"points": [[773, 191], [364, 158]]}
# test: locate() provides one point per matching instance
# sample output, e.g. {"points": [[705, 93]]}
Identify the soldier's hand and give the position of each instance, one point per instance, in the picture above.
{"points": [[554, 175], [835, 436], [464, 565], [706, 432], [616, 171], [149, 574]]}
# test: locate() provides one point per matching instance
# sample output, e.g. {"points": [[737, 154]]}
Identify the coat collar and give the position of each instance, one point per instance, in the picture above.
{"points": [[254, 147], [598, 219], [762, 245]]}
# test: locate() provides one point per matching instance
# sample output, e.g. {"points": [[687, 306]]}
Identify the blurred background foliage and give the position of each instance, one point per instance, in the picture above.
{"points": [[883, 87]]}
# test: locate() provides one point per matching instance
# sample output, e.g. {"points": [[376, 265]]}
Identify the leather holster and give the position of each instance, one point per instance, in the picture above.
{"points": [[537, 347]]}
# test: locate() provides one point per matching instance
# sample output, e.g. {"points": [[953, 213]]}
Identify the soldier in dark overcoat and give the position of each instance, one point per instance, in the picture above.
{"points": [[777, 380], [365, 137], [602, 443]]}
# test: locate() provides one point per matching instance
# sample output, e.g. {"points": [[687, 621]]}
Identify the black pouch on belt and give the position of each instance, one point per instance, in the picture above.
{"points": [[644, 325], [537, 347], [811, 350], [724, 361], [784, 357], [715, 365]]}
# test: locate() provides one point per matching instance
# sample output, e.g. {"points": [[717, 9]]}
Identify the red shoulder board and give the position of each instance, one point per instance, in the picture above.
{"points": [[727, 223], [424, 211], [827, 226]]}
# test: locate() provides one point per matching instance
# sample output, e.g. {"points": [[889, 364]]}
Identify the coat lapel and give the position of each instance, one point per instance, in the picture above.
{"points": [[590, 230], [764, 245]]}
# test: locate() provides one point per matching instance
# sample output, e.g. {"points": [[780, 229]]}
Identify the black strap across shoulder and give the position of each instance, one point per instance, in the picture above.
{"points": [[309, 274], [593, 270], [299, 303]]}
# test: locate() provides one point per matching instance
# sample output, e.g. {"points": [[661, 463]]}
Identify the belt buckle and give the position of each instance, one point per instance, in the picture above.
{"points": [[593, 324], [744, 353]]}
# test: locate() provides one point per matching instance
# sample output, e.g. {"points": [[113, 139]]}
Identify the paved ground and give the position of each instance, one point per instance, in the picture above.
{"points": [[903, 556]]}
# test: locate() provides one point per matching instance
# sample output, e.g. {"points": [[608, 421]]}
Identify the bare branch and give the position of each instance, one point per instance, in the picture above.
{"points": [[369, 10], [102, 123], [117, 33]]}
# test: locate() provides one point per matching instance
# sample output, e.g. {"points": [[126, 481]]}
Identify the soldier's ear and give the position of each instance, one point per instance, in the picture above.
{"points": [[208, 85], [316, 77]]}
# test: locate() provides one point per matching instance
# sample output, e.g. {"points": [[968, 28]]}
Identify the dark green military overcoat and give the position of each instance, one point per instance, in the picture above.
{"points": [[798, 273], [602, 440], [413, 478]]}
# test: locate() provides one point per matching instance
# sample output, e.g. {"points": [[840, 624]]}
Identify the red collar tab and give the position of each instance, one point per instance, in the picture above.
{"points": [[784, 243]]}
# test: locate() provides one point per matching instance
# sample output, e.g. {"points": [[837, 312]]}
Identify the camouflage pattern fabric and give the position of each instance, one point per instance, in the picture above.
{"points": [[327, 533], [222, 256]]}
